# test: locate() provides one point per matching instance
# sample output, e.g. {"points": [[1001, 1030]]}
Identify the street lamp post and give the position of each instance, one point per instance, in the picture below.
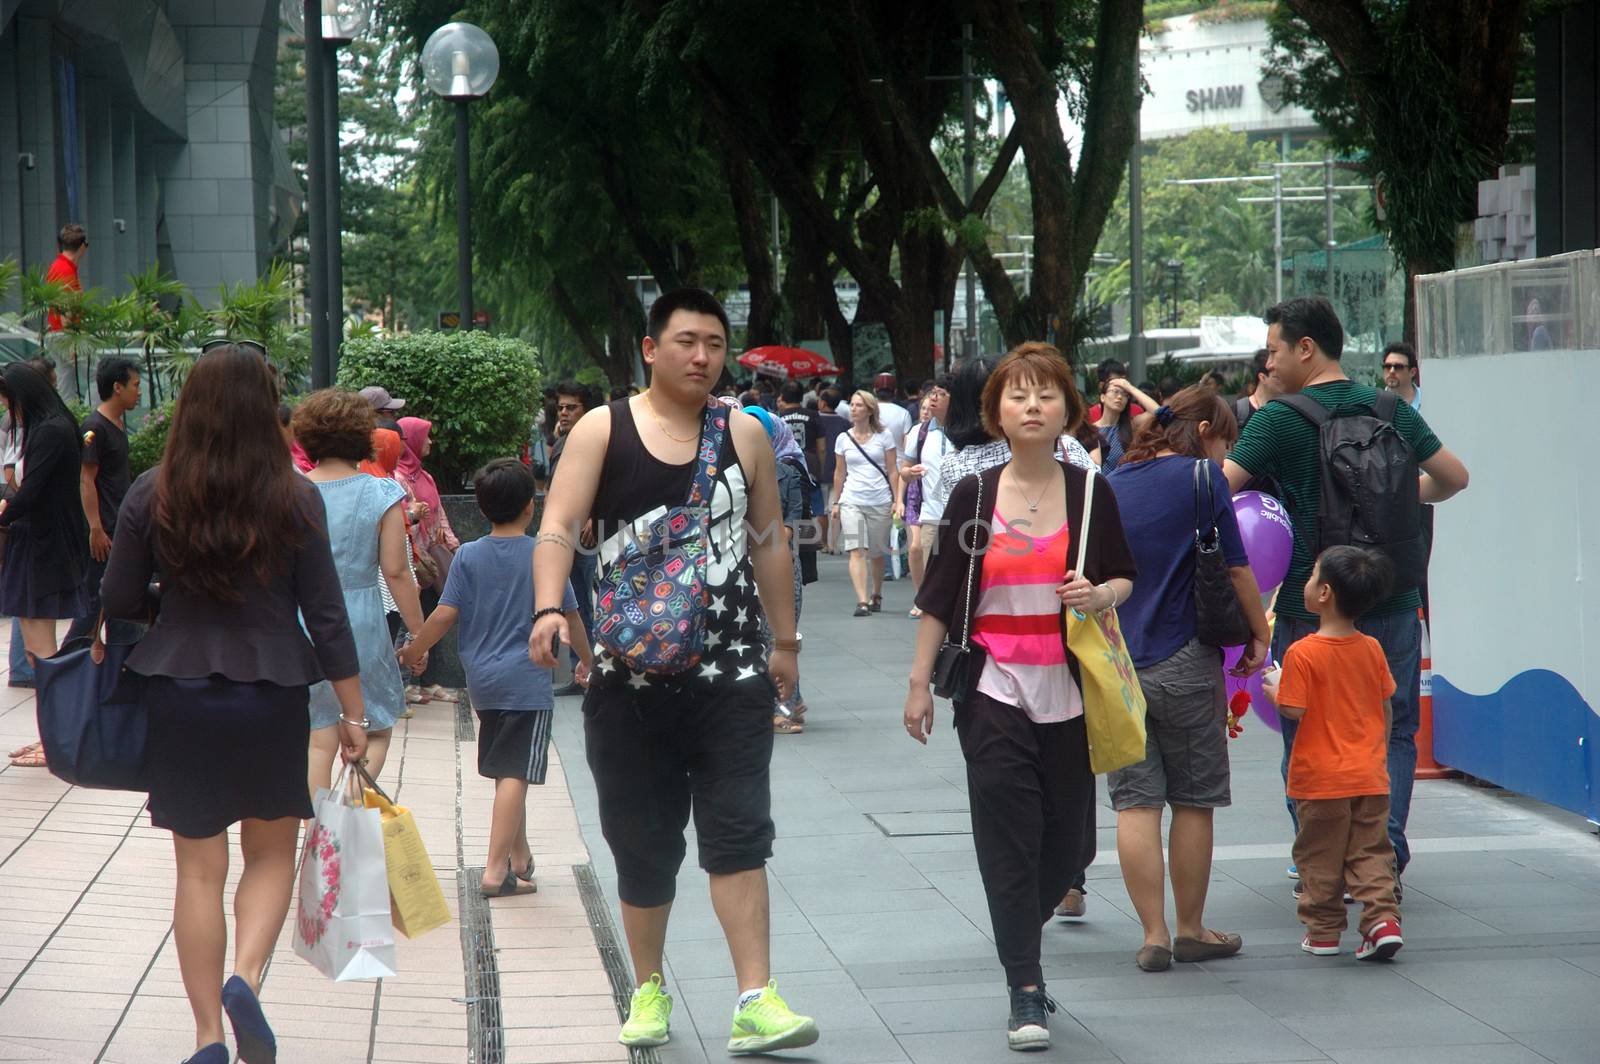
{"points": [[316, 209], [460, 63], [1174, 279], [342, 22]]}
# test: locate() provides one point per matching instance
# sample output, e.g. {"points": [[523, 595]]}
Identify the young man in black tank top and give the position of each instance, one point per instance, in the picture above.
{"points": [[700, 741]]}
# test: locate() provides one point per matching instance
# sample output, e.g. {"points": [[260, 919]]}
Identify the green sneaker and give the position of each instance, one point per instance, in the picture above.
{"points": [[767, 1023], [648, 1016]]}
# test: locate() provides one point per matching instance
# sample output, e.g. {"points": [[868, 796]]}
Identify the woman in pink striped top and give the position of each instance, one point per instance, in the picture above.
{"points": [[1020, 716]]}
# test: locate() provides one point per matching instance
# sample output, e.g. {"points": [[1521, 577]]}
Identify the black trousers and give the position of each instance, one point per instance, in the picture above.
{"points": [[1032, 798]]}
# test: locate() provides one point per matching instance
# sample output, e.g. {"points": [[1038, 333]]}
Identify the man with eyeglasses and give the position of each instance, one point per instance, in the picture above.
{"points": [[1400, 373]]}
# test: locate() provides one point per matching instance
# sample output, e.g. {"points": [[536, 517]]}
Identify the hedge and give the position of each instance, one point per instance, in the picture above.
{"points": [[480, 391]]}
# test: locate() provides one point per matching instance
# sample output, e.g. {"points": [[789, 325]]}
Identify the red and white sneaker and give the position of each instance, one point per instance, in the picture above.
{"points": [[1381, 943], [1321, 947]]}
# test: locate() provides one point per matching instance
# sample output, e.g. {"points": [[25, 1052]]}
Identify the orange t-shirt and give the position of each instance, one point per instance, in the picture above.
{"points": [[1341, 745]]}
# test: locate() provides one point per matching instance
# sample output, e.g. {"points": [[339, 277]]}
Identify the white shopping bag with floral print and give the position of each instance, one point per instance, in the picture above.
{"points": [[342, 923]]}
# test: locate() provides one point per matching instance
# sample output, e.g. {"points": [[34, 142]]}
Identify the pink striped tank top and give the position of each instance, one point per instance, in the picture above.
{"points": [[1018, 622]]}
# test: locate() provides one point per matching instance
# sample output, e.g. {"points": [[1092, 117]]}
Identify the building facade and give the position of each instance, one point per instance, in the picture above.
{"points": [[149, 122]]}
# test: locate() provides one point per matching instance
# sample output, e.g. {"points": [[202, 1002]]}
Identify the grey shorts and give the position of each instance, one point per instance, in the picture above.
{"points": [[1186, 736]]}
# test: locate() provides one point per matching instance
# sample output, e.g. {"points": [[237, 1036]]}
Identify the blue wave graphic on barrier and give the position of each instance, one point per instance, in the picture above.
{"points": [[1537, 735]]}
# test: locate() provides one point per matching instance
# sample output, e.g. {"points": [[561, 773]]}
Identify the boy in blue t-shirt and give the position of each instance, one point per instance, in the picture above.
{"points": [[490, 590]]}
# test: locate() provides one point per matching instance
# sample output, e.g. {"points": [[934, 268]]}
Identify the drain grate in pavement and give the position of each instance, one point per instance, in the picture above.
{"points": [[464, 721], [485, 1038], [605, 942], [930, 822]]}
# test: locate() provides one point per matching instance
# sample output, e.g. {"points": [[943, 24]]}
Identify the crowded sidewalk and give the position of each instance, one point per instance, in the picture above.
{"points": [[880, 928], [89, 972]]}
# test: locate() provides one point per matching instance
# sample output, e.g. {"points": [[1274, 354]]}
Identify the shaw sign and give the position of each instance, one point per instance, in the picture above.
{"points": [[1223, 97]]}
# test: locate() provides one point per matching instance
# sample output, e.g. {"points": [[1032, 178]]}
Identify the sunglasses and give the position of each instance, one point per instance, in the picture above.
{"points": [[1398, 367], [224, 341]]}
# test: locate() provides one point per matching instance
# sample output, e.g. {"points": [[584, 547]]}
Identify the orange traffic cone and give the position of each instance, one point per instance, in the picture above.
{"points": [[1427, 767]]}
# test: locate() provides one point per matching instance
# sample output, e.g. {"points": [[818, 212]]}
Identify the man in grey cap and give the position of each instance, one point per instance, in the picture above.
{"points": [[385, 404]]}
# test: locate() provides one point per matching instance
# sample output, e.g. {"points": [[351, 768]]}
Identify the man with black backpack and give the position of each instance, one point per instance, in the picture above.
{"points": [[1354, 466]]}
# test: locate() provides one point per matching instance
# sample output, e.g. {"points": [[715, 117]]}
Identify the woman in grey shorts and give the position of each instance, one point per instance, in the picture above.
{"points": [[1186, 749]]}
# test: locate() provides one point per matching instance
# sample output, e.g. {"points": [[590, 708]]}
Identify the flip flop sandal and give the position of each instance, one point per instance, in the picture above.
{"points": [[414, 696], [786, 726], [31, 759], [439, 694], [798, 713], [862, 610], [30, 748], [527, 876], [913, 613], [510, 887], [877, 603]]}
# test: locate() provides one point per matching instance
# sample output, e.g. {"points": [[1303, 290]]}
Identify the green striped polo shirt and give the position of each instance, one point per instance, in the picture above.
{"points": [[1278, 442]]}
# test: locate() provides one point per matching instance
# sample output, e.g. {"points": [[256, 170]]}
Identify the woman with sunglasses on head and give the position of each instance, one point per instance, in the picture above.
{"points": [[239, 544], [1011, 534], [47, 549]]}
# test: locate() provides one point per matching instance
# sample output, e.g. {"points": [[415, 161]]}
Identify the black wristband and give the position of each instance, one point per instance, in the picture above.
{"points": [[547, 611]]}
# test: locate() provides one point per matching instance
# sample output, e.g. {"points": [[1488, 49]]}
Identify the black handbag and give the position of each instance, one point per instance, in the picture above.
{"points": [[951, 667], [1219, 619], [92, 717]]}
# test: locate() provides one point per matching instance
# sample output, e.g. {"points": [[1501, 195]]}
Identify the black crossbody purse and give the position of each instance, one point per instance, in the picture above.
{"points": [[1219, 619], [950, 668]]}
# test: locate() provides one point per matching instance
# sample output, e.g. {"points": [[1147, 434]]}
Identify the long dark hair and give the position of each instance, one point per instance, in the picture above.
{"points": [[226, 493], [1181, 433], [30, 397], [1124, 426], [964, 423]]}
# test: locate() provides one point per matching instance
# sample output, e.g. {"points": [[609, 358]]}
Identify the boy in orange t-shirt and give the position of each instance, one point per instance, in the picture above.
{"points": [[1337, 684]]}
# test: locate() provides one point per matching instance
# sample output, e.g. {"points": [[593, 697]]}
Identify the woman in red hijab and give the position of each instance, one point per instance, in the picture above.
{"points": [[387, 447], [430, 527]]}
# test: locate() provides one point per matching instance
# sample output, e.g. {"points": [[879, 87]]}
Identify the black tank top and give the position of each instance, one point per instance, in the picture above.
{"points": [[635, 488]]}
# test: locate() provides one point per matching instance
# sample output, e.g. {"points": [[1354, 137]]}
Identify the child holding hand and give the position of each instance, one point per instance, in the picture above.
{"points": [[490, 592], [1337, 685]]}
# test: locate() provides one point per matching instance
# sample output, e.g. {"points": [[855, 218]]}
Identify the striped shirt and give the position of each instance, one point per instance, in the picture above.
{"points": [[1018, 623]]}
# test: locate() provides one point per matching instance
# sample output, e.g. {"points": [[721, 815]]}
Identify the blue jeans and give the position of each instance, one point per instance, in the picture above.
{"points": [[584, 566], [1400, 635], [20, 668]]}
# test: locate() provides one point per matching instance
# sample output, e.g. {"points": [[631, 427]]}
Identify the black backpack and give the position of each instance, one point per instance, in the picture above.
{"points": [[1369, 484]]}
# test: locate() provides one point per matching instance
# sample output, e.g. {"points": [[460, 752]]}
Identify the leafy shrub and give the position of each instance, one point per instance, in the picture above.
{"points": [[480, 391], [149, 440]]}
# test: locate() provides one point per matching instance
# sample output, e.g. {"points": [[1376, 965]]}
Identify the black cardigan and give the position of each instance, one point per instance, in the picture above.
{"points": [[943, 593], [47, 511]]}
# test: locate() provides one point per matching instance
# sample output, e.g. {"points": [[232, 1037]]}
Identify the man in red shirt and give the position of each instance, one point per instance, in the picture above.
{"points": [[74, 243]]}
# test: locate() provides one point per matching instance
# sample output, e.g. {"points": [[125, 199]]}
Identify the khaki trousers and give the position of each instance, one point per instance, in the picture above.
{"points": [[1343, 844]]}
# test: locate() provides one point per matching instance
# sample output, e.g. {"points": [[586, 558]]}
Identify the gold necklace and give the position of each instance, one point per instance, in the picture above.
{"points": [[662, 425]]}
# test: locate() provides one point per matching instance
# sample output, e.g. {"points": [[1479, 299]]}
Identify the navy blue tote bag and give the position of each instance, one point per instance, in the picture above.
{"points": [[92, 717]]}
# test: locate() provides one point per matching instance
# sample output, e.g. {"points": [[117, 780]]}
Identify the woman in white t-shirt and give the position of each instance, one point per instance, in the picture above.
{"points": [[924, 452], [865, 490]]}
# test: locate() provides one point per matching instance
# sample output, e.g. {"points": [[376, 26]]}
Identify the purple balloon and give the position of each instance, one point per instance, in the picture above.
{"points": [[1252, 685], [1267, 534]]}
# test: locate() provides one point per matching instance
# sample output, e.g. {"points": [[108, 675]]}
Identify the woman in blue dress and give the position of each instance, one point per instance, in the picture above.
{"points": [[367, 528]]}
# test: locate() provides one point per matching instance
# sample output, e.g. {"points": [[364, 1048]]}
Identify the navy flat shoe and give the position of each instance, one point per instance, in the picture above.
{"points": [[250, 1031], [215, 1053]]}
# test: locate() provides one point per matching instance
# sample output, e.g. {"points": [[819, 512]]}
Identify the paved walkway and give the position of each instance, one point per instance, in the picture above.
{"points": [[880, 928], [89, 973]]}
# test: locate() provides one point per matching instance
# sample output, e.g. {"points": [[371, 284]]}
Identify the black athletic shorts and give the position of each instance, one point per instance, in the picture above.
{"points": [[661, 751], [514, 745]]}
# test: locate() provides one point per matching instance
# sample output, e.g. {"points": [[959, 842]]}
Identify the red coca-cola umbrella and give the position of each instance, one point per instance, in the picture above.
{"points": [[791, 363]]}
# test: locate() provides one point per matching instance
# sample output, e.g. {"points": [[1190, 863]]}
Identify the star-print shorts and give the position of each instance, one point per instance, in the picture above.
{"points": [[662, 750]]}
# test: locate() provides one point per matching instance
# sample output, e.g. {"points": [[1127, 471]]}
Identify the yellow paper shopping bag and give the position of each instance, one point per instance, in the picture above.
{"points": [[415, 898], [1113, 701]]}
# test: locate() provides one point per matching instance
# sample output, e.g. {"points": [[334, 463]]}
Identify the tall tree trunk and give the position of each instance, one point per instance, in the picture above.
{"points": [[626, 317], [758, 265]]}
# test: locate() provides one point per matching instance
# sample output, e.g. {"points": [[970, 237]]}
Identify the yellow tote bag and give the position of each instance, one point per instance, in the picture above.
{"points": [[415, 897], [1113, 701]]}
